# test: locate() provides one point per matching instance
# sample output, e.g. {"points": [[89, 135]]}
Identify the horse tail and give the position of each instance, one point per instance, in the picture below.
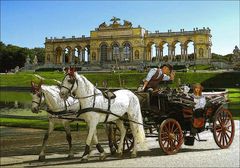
{"points": [[136, 115]]}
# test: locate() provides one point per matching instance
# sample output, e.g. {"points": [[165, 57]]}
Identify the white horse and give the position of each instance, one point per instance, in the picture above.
{"points": [[92, 98], [49, 95]]}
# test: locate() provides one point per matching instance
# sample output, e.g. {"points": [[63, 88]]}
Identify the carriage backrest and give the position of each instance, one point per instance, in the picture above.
{"points": [[144, 99]]}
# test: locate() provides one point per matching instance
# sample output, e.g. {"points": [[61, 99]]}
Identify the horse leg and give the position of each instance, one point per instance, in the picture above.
{"points": [[46, 136], [99, 147], [92, 129], [122, 129], [134, 132], [69, 138], [109, 131]]}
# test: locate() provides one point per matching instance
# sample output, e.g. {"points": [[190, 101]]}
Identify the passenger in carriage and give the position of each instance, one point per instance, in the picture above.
{"points": [[198, 110], [199, 99], [155, 75]]}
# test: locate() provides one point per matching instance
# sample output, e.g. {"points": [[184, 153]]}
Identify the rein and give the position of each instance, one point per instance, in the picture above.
{"points": [[39, 103]]}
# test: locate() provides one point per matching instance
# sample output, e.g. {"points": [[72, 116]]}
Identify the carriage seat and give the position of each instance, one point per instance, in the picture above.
{"points": [[108, 94]]}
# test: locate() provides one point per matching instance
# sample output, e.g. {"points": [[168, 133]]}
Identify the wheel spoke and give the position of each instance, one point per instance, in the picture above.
{"points": [[172, 128], [229, 131], [227, 136]]}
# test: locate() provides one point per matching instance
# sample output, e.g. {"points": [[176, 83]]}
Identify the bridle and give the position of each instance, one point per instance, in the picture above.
{"points": [[40, 94], [72, 81]]}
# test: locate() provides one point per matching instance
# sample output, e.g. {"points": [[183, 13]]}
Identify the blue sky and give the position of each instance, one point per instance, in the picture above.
{"points": [[27, 23]]}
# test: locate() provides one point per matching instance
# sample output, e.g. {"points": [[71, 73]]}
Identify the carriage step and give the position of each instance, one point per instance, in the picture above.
{"points": [[189, 140]]}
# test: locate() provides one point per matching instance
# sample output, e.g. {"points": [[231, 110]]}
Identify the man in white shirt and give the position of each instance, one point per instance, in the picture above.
{"points": [[155, 75]]}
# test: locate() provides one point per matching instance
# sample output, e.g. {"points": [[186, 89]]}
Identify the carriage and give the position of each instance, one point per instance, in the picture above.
{"points": [[168, 115]]}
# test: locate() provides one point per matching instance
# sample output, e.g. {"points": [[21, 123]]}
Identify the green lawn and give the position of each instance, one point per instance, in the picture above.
{"points": [[130, 79]]}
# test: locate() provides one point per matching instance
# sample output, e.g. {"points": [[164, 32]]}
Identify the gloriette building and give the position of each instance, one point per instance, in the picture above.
{"points": [[117, 43]]}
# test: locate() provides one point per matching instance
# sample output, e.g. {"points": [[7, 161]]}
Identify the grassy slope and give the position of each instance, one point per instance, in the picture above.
{"points": [[131, 80]]}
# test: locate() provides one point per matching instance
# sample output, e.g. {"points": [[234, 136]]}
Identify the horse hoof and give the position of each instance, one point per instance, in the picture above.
{"points": [[113, 151], [103, 156], [84, 160], [70, 156], [133, 155], [119, 155], [41, 158]]}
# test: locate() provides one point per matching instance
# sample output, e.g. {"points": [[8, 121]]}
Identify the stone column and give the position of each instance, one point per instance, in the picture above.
{"points": [[160, 53], [173, 53], [98, 55], [83, 55], [169, 52], [195, 52], [182, 52], [63, 57], [157, 53], [73, 57]]}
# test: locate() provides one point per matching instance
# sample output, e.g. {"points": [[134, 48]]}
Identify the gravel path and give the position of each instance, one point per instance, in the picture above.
{"points": [[20, 147]]}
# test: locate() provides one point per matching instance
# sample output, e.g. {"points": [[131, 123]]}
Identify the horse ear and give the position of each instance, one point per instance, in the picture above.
{"points": [[32, 84], [40, 84], [66, 70], [71, 71]]}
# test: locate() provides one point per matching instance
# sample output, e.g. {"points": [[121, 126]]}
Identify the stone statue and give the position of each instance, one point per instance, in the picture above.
{"points": [[127, 23], [103, 25], [27, 61], [115, 20], [236, 55], [35, 60], [236, 51]]}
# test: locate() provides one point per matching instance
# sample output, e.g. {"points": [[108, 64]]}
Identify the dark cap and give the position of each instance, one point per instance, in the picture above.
{"points": [[170, 67]]}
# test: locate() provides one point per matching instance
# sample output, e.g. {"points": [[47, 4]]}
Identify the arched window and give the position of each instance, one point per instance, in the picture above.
{"points": [[115, 51], [200, 52], [126, 52], [103, 52], [136, 54], [94, 56], [48, 58]]}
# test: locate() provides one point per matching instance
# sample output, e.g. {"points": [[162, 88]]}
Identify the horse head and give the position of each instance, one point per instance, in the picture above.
{"points": [[37, 96], [69, 84]]}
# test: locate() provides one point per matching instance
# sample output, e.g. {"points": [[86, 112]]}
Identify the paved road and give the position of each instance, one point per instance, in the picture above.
{"points": [[202, 154]]}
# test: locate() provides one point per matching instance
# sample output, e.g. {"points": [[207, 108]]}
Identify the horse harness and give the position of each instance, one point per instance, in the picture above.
{"points": [[50, 111], [106, 94]]}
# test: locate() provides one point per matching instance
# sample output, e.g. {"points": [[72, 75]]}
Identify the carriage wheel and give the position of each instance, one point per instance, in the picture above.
{"points": [[223, 128], [128, 140], [170, 136]]}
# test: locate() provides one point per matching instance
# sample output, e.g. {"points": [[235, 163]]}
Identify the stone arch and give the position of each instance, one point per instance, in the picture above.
{"points": [[58, 55], [77, 54], [163, 51], [176, 51], [189, 51], [86, 53], [67, 55], [151, 50]]}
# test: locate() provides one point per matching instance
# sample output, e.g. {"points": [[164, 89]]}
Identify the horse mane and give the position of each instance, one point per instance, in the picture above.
{"points": [[89, 86]]}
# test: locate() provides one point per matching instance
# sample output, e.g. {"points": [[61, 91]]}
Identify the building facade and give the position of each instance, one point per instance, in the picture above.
{"points": [[123, 43]]}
